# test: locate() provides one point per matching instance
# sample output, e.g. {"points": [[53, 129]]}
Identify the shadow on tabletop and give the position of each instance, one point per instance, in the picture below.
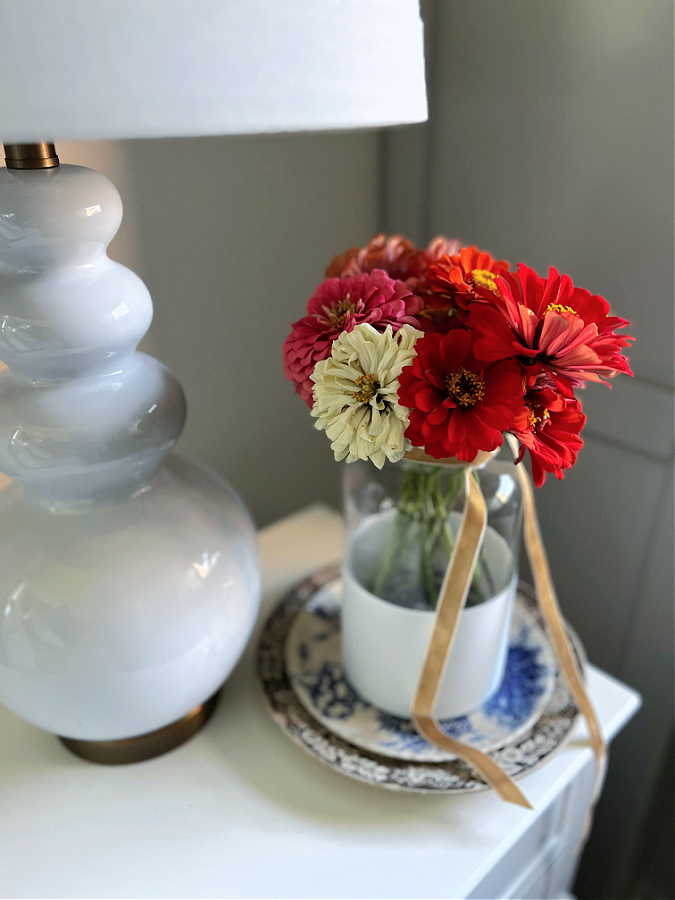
{"points": [[254, 747]]}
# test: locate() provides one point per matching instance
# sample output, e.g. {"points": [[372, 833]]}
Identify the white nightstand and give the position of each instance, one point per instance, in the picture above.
{"points": [[240, 811]]}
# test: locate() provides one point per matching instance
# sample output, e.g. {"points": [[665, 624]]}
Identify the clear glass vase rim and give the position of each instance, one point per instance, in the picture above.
{"points": [[452, 462]]}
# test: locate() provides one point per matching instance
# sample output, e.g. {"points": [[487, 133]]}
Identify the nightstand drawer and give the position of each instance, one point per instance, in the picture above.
{"points": [[541, 864]]}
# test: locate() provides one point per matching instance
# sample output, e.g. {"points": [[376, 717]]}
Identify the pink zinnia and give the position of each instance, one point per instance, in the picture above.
{"points": [[337, 305], [395, 255]]}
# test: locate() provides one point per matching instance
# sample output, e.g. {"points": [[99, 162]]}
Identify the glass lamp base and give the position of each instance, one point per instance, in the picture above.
{"points": [[144, 746]]}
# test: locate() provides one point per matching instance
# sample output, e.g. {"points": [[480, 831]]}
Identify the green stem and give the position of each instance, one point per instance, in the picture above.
{"points": [[428, 496]]}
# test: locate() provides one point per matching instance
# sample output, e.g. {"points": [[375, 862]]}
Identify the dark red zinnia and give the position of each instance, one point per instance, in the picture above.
{"points": [[458, 405], [549, 428]]}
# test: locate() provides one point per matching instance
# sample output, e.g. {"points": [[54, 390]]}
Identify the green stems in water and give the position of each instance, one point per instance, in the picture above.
{"points": [[422, 538]]}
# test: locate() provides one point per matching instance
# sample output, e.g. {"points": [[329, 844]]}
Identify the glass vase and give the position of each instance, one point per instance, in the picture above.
{"points": [[402, 523]]}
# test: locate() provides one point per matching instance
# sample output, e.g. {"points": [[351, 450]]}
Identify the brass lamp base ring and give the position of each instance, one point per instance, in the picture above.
{"points": [[144, 746]]}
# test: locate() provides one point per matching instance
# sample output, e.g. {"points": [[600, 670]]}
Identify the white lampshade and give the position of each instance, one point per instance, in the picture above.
{"points": [[93, 69]]}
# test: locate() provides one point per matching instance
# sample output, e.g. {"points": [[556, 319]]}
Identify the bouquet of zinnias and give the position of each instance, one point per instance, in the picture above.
{"points": [[435, 355], [447, 349]]}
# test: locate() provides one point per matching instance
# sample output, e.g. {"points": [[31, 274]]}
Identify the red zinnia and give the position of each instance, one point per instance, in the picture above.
{"points": [[458, 405], [441, 246], [337, 305], [549, 429], [457, 281], [549, 324]]}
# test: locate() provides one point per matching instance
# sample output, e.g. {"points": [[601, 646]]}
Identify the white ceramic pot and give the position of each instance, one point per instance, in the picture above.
{"points": [[384, 645]]}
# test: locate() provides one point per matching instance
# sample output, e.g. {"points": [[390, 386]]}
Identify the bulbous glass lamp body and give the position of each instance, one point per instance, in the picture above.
{"points": [[128, 579], [119, 617]]}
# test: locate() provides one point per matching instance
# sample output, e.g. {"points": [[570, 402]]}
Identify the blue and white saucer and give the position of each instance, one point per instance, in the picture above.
{"points": [[298, 666], [314, 668]]}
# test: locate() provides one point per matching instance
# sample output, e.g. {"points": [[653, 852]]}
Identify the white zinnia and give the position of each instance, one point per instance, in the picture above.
{"points": [[356, 393]]}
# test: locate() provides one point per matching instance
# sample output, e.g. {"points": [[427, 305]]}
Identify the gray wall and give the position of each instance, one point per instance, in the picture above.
{"points": [[231, 236]]}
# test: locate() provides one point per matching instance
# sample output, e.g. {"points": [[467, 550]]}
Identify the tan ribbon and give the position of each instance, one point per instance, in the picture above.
{"points": [[555, 626], [452, 599]]}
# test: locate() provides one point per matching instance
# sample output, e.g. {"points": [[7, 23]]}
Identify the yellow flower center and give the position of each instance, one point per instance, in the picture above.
{"points": [[559, 308], [368, 386], [538, 421], [484, 278], [337, 314], [465, 387]]}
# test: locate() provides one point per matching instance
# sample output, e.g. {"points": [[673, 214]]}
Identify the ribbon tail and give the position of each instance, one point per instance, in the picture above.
{"points": [[556, 628], [493, 774], [452, 599]]}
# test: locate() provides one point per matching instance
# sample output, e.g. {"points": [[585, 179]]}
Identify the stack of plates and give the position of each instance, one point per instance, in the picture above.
{"points": [[299, 665]]}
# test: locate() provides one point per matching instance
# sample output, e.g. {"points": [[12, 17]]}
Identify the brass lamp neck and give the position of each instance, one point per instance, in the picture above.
{"points": [[31, 156]]}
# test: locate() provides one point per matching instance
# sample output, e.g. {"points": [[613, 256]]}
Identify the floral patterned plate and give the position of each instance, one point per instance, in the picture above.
{"points": [[314, 669], [524, 747]]}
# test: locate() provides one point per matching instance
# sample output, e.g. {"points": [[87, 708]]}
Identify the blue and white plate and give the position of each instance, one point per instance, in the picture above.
{"points": [[314, 668], [527, 746]]}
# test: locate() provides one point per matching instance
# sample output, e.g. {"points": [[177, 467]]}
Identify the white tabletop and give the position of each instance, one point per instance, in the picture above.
{"points": [[240, 811]]}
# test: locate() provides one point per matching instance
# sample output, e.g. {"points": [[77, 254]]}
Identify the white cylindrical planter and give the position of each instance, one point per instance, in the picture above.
{"points": [[384, 645]]}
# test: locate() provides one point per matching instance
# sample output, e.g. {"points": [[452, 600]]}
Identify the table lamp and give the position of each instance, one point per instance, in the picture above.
{"points": [[128, 578]]}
